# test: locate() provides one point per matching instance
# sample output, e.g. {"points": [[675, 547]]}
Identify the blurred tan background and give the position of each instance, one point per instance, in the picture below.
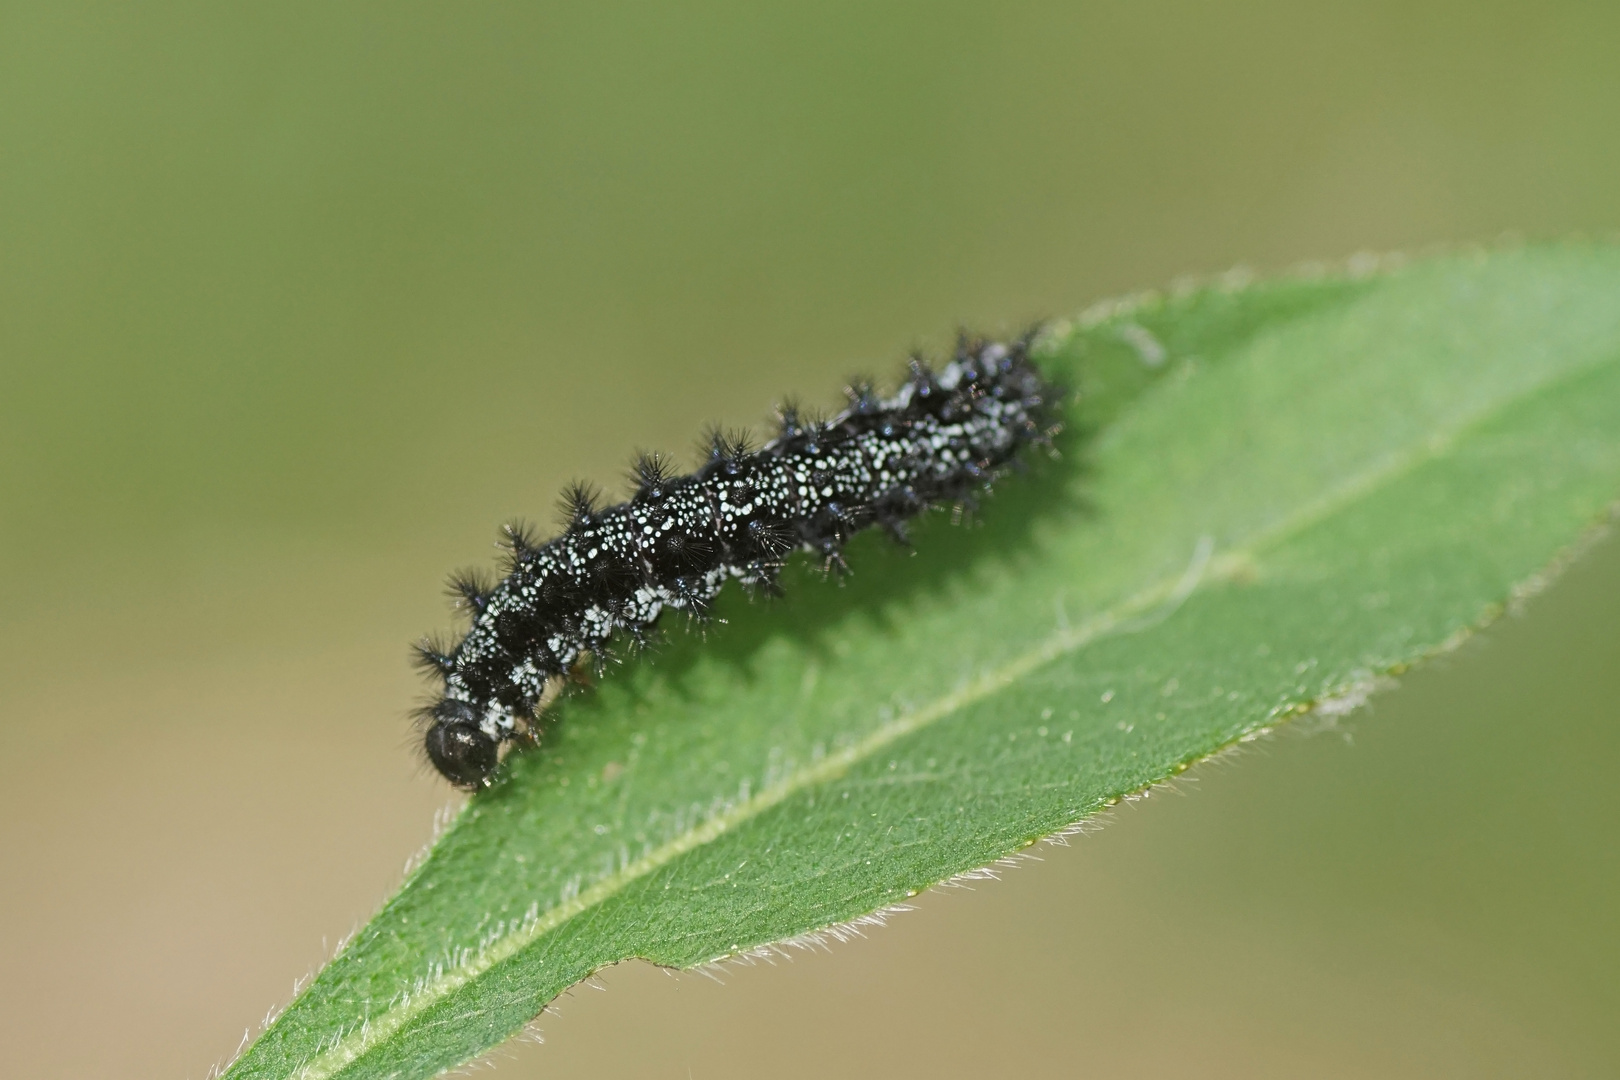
{"points": [[298, 302]]}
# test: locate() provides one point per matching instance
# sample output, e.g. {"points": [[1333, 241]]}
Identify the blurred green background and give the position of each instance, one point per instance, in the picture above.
{"points": [[298, 301]]}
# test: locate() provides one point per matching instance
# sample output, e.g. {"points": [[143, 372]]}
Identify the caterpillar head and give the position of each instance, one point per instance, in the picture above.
{"points": [[462, 751]]}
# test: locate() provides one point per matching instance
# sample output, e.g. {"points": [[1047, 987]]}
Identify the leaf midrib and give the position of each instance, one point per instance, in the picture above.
{"points": [[1140, 611]]}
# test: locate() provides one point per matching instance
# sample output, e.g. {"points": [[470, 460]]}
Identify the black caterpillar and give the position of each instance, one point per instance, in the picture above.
{"points": [[940, 438]]}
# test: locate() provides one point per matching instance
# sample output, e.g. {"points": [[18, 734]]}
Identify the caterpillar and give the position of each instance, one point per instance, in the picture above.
{"points": [[940, 438]]}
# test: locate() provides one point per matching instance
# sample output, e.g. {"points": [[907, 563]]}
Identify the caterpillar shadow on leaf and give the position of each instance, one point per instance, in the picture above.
{"points": [[884, 578]]}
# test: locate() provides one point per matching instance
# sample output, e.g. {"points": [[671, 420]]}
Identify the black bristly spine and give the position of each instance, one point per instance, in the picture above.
{"points": [[939, 440], [469, 590]]}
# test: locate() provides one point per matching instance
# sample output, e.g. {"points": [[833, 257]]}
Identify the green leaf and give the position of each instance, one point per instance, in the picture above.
{"points": [[1273, 495]]}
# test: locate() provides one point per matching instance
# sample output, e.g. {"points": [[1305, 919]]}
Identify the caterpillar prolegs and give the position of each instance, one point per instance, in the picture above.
{"points": [[942, 436]]}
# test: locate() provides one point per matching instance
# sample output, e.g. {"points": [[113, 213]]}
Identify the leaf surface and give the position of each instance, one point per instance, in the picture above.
{"points": [[1271, 496]]}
